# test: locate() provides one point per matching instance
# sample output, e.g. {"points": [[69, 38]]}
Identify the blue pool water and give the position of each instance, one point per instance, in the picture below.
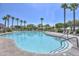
{"points": [[37, 42]]}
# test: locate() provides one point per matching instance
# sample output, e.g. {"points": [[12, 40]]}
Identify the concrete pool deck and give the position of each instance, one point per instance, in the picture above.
{"points": [[8, 48]]}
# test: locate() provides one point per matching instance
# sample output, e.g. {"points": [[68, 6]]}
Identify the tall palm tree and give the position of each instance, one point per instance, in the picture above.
{"points": [[42, 22], [64, 6], [4, 19], [17, 19], [73, 7], [12, 21], [8, 17], [24, 23], [21, 22]]}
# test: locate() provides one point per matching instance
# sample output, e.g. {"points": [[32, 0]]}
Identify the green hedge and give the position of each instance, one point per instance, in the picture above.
{"points": [[77, 31], [9, 30], [60, 31]]}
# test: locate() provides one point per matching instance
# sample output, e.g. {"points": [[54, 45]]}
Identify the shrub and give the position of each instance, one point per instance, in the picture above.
{"points": [[60, 31], [9, 30], [71, 32], [77, 31]]}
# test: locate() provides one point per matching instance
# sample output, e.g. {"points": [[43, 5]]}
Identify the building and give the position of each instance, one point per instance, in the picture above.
{"points": [[2, 26], [76, 27]]}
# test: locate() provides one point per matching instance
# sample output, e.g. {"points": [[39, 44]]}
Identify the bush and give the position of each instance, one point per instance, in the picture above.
{"points": [[77, 31], [9, 30], [71, 32], [60, 31]]}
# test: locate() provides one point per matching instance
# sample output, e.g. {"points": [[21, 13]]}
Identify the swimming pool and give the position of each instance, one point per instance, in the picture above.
{"points": [[37, 42]]}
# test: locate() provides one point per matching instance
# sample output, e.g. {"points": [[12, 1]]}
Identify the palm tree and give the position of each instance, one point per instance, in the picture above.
{"points": [[17, 19], [47, 26], [64, 6], [21, 22], [73, 7], [8, 17], [12, 21], [24, 23], [42, 22], [4, 19]]}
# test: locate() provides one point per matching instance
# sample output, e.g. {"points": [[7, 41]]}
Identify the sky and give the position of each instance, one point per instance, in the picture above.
{"points": [[32, 12]]}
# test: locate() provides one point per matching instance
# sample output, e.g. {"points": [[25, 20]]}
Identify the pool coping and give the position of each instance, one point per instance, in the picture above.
{"points": [[36, 54]]}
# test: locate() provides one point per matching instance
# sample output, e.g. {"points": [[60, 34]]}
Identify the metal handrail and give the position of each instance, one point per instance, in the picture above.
{"points": [[64, 34], [71, 38], [63, 37]]}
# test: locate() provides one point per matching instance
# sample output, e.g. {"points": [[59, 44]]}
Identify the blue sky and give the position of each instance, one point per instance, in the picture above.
{"points": [[31, 12]]}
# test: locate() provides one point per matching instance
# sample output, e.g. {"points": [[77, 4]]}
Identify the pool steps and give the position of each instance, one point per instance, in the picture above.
{"points": [[61, 48]]}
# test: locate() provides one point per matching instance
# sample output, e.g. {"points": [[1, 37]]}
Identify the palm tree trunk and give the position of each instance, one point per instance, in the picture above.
{"points": [[42, 24], [8, 23], [64, 19], [21, 24], [73, 20], [24, 25], [12, 22], [5, 25], [17, 22]]}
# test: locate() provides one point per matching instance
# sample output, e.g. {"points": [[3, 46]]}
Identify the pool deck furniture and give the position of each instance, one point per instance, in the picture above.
{"points": [[8, 48]]}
